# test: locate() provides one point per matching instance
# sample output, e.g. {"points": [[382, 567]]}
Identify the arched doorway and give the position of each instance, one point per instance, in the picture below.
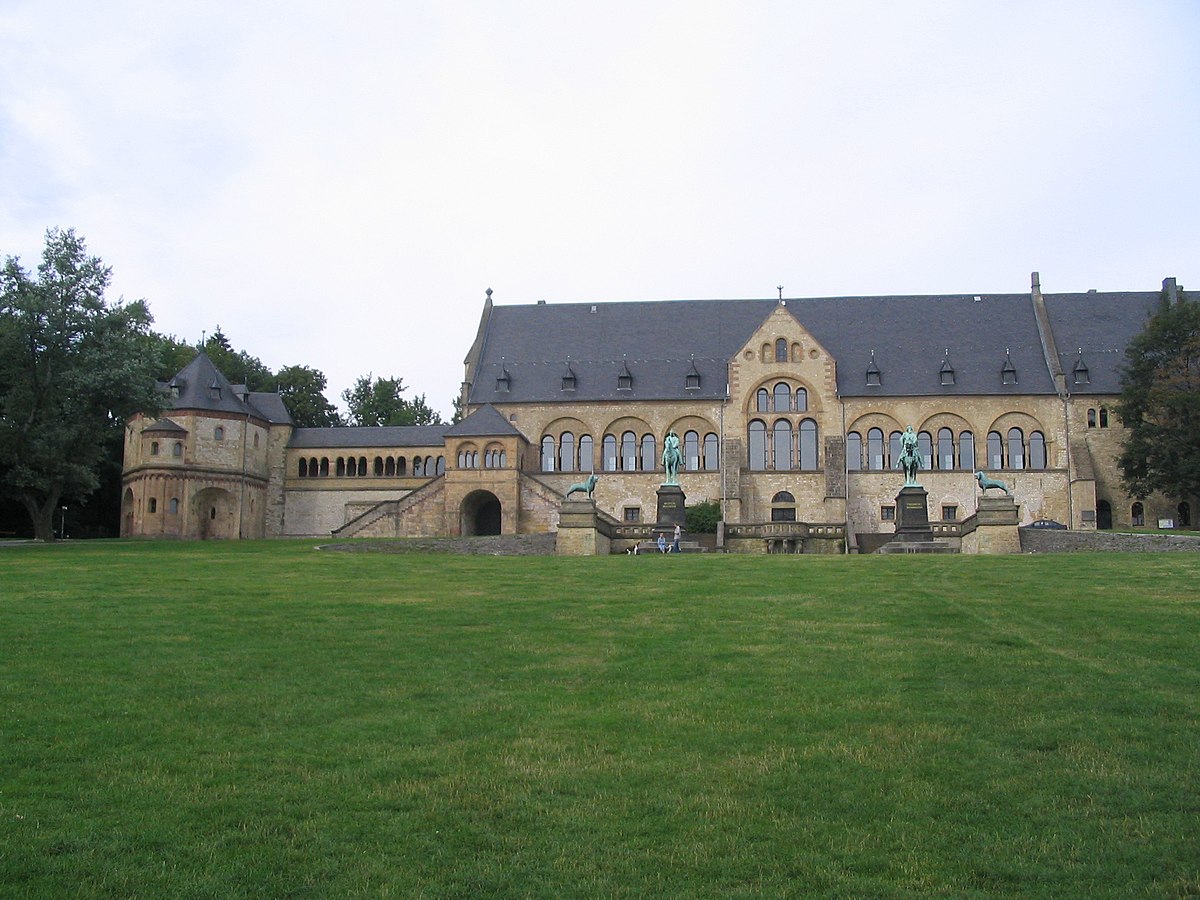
{"points": [[480, 514], [127, 513], [214, 514], [1104, 515]]}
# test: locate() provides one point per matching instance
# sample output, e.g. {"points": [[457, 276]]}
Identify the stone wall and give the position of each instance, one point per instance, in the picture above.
{"points": [[1046, 540]]}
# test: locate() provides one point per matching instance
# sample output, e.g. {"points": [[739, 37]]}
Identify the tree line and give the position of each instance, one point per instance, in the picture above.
{"points": [[74, 367]]}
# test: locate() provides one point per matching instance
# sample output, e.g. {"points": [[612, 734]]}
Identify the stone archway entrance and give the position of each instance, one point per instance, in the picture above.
{"points": [[127, 513], [214, 514], [1104, 515], [480, 514]]}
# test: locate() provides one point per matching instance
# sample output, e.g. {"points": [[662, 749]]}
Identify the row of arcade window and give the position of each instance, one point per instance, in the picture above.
{"points": [[1100, 421], [626, 454], [781, 398], [172, 506], [1011, 452], [780, 448], [176, 448], [384, 467], [493, 458], [1137, 515]]}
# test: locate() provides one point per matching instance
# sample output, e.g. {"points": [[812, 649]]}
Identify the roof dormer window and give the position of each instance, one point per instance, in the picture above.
{"points": [[1008, 374], [1080, 370], [214, 390], [691, 381], [874, 376], [946, 372], [503, 380], [625, 378], [568, 378]]}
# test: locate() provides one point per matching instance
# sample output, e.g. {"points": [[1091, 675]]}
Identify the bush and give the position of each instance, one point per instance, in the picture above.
{"points": [[702, 518]]}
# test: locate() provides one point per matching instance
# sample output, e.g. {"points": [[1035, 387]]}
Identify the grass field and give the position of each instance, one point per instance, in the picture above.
{"points": [[263, 719]]}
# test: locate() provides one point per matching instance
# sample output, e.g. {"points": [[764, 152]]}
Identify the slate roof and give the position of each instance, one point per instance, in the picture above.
{"points": [[1101, 325], [194, 384], [910, 337], [369, 436], [164, 426], [487, 421]]}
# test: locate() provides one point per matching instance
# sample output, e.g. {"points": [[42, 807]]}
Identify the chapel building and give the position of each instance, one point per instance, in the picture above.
{"points": [[789, 413]]}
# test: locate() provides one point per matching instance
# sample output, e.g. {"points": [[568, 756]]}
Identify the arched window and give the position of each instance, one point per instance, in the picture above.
{"points": [[925, 448], [1091, 418], [303, 472], [995, 450], [219, 433], [608, 453], [440, 465], [781, 444], [854, 448], [362, 465], [154, 448], [712, 452], [894, 449], [1137, 513], [173, 506], [177, 449], [324, 467], [801, 400], [1037, 450], [758, 444], [312, 468], [781, 354], [587, 455], [966, 451], [418, 469], [153, 504], [547, 453], [762, 400], [402, 465], [808, 444], [351, 466], [691, 451], [1016, 448], [629, 451], [876, 459], [649, 456], [379, 465], [341, 466], [566, 452], [1103, 417], [783, 507], [945, 454], [389, 467], [783, 397], [1185, 515]]}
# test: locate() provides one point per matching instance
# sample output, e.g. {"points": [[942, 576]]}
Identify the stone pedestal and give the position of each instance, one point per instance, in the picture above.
{"points": [[912, 515], [671, 511], [995, 527], [579, 530]]}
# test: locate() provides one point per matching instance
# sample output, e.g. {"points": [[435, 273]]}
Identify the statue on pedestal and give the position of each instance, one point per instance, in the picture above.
{"points": [[910, 457], [672, 457]]}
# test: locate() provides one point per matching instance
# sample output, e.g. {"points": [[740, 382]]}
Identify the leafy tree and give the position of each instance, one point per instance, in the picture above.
{"points": [[702, 518], [238, 365], [73, 368], [378, 401], [1160, 404], [303, 391], [458, 410]]}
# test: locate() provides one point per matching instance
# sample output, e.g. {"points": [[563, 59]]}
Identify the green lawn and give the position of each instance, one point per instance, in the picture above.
{"points": [[263, 719]]}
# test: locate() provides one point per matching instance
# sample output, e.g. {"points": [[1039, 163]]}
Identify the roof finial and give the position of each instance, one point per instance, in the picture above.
{"points": [[779, 287], [489, 293]]}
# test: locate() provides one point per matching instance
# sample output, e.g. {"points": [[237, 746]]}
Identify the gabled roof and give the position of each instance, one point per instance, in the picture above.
{"points": [[656, 340], [487, 421], [369, 436], [200, 386]]}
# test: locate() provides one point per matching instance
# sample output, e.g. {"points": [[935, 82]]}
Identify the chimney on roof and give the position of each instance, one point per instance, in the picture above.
{"points": [[1171, 289]]}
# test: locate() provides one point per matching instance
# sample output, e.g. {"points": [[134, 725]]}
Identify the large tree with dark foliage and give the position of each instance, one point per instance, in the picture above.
{"points": [[73, 368], [379, 401], [1160, 403], [303, 391]]}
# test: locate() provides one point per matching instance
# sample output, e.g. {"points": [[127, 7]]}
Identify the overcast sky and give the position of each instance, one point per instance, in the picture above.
{"points": [[336, 184]]}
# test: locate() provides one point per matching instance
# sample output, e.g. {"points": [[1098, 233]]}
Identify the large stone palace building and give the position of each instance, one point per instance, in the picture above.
{"points": [[789, 412]]}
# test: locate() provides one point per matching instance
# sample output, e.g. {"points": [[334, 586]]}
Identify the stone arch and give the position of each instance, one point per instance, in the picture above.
{"points": [[480, 514], [870, 420], [214, 510], [1022, 420], [770, 383]]}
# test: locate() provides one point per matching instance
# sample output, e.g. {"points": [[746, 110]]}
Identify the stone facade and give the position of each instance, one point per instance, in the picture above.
{"points": [[787, 412]]}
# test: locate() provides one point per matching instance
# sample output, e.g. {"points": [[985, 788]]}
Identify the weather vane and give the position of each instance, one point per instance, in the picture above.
{"points": [[779, 287]]}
